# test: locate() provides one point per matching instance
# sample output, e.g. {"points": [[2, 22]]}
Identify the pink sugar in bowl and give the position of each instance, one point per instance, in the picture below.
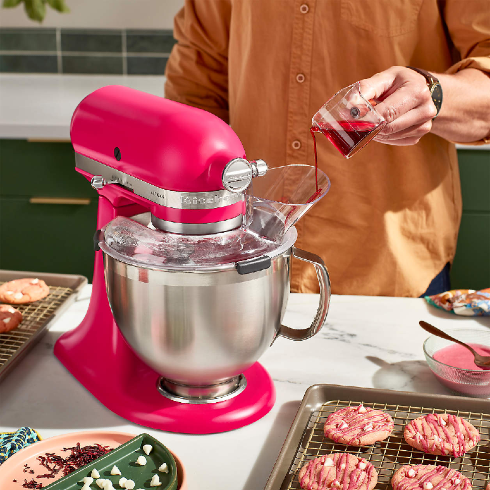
{"points": [[453, 365]]}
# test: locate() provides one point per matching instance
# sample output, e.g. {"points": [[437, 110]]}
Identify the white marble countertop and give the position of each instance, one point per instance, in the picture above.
{"points": [[367, 341], [41, 106]]}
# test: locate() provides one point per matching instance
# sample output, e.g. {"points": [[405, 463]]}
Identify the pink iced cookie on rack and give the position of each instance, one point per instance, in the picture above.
{"points": [[358, 426], [23, 291], [427, 477], [441, 434], [338, 471]]}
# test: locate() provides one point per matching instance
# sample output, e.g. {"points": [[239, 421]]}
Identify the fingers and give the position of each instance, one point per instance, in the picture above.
{"points": [[416, 122]]}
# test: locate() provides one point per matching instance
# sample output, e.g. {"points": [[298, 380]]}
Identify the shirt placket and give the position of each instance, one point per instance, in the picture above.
{"points": [[300, 83], [299, 119]]}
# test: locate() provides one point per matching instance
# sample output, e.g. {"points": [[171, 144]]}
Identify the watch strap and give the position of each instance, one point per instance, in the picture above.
{"points": [[432, 83]]}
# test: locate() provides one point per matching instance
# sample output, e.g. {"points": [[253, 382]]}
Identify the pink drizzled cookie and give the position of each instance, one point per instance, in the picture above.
{"points": [[339, 471], [358, 426], [441, 434], [428, 477]]}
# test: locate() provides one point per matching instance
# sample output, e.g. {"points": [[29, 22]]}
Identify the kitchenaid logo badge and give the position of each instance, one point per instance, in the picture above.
{"points": [[211, 201], [158, 194]]}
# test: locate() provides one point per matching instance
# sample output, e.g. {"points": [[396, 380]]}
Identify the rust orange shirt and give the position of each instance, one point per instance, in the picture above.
{"points": [[390, 221]]}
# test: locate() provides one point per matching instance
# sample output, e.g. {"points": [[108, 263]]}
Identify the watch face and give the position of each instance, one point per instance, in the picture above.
{"points": [[437, 96]]}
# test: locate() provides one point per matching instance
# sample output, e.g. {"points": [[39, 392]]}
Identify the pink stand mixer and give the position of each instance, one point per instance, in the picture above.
{"points": [[186, 294]]}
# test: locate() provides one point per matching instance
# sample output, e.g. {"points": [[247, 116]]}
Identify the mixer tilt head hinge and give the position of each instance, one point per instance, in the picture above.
{"points": [[239, 172]]}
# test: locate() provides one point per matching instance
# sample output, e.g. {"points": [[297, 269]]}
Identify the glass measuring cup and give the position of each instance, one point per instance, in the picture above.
{"points": [[348, 120], [282, 196]]}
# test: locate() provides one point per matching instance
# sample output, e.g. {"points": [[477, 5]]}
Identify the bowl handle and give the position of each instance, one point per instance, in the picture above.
{"points": [[321, 314]]}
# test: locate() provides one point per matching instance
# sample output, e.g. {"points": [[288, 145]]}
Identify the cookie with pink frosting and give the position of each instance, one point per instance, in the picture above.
{"points": [[427, 477], [339, 471], [358, 426], [441, 434]]}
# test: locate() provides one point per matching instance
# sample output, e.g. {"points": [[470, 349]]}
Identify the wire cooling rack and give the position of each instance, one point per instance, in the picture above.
{"points": [[388, 455], [36, 316], [306, 441]]}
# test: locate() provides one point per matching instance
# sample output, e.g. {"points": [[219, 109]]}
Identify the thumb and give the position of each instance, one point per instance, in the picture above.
{"points": [[376, 86]]}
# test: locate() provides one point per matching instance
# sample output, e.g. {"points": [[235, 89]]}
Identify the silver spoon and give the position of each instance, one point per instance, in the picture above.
{"points": [[481, 361]]}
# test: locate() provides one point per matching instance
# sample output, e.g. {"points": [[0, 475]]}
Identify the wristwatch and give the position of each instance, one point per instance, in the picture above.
{"points": [[434, 87]]}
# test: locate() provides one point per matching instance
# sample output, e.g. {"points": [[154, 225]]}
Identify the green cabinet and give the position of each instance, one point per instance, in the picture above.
{"points": [[48, 211], [471, 267]]}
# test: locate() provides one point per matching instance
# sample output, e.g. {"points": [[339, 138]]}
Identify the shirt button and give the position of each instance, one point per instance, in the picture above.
{"points": [[300, 78], [296, 145], [304, 8]]}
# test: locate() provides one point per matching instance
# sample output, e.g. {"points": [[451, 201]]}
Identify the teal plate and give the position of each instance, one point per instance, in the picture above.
{"points": [[124, 457]]}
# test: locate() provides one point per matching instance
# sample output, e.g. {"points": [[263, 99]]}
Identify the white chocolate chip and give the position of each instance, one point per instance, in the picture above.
{"points": [[122, 482], [107, 485], [362, 465], [361, 408], [428, 485], [34, 281], [6, 320], [411, 473], [436, 438], [335, 483], [11, 310], [141, 460], [328, 462], [18, 295], [342, 466], [95, 474], [147, 449], [129, 485], [155, 481], [456, 481], [100, 482], [343, 425], [115, 470], [9, 292], [368, 427], [86, 486], [88, 480]]}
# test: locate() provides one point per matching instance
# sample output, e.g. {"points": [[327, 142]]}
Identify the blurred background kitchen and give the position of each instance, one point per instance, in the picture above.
{"points": [[47, 212]]}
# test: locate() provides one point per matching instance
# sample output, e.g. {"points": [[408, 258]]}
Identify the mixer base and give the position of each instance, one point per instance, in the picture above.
{"points": [[132, 393]]}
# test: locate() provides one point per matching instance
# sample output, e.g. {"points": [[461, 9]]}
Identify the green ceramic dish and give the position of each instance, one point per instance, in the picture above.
{"points": [[124, 457]]}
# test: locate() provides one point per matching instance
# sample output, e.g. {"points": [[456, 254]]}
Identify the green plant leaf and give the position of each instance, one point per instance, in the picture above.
{"points": [[10, 3], [36, 10], [58, 5]]}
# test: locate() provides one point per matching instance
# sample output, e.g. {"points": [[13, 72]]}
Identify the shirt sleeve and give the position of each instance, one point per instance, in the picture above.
{"points": [[468, 24], [197, 69]]}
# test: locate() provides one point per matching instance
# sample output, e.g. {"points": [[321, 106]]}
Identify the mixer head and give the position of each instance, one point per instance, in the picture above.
{"points": [[185, 165]]}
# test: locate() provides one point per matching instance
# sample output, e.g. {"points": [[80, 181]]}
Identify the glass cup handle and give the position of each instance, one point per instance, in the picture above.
{"points": [[321, 313]]}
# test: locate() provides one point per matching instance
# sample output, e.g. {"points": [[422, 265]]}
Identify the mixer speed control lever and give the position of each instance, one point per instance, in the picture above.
{"points": [[98, 182]]}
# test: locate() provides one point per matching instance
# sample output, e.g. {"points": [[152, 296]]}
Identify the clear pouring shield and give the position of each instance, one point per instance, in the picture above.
{"points": [[281, 197], [348, 120]]}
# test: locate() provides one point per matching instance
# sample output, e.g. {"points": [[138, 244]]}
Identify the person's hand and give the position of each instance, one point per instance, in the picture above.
{"points": [[403, 99]]}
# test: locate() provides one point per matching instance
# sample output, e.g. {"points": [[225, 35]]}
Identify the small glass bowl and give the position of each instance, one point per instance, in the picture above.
{"points": [[469, 382]]}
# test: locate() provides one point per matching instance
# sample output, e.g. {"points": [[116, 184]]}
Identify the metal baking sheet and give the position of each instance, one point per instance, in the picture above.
{"points": [[37, 316], [306, 441]]}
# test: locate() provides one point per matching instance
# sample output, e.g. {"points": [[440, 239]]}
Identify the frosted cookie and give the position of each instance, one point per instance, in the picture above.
{"points": [[336, 471], [427, 477], [441, 434], [9, 318], [22, 291], [358, 426]]}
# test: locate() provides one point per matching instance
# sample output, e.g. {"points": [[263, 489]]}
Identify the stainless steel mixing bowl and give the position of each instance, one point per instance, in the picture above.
{"points": [[201, 329]]}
